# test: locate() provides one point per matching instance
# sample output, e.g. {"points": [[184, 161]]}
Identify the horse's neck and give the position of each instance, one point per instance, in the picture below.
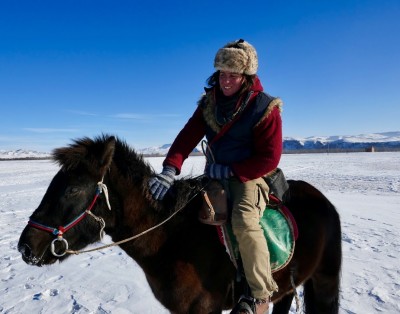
{"points": [[134, 215]]}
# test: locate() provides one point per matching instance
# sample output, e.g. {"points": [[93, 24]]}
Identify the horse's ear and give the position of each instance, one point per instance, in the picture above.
{"points": [[108, 154]]}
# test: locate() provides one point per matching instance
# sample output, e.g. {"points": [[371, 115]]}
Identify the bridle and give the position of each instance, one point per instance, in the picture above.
{"points": [[101, 187]]}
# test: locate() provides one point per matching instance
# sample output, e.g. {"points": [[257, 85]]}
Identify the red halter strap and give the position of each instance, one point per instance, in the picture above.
{"points": [[62, 229]]}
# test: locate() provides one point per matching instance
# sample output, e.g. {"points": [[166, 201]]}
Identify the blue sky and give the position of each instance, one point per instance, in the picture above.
{"points": [[136, 69]]}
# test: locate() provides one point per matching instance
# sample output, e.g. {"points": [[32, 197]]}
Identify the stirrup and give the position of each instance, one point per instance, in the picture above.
{"points": [[248, 305], [245, 304]]}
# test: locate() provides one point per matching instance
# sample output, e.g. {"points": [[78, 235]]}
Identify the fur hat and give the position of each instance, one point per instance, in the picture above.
{"points": [[238, 57]]}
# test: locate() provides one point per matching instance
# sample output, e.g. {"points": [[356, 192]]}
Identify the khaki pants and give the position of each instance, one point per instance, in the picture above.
{"points": [[248, 207]]}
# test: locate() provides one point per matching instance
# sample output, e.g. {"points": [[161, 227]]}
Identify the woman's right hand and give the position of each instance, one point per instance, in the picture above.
{"points": [[160, 184]]}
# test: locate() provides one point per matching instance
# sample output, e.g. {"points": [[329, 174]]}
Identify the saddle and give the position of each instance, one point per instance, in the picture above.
{"points": [[214, 210], [278, 224], [280, 232]]}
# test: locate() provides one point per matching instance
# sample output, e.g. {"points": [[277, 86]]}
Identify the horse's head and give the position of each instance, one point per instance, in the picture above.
{"points": [[73, 210]]}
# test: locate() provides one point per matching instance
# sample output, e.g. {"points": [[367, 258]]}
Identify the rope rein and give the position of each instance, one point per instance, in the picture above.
{"points": [[207, 152]]}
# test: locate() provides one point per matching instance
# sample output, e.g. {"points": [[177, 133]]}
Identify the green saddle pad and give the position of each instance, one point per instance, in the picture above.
{"points": [[278, 232]]}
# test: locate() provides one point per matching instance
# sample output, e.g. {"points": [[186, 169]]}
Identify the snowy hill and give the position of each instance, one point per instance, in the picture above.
{"points": [[386, 140], [380, 141], [156, 150], [22, 154], [163, 150]]}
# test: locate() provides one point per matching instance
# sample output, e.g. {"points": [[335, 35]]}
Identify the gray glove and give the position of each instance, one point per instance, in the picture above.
{"points": [[218, 171], [160, 184]]}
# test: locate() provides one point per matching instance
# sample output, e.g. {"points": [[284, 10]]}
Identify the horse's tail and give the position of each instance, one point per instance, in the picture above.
{"points": [[321, 291]]}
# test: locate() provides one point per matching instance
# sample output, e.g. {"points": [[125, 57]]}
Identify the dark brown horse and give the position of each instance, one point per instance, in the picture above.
{"points": [[185, 264]]}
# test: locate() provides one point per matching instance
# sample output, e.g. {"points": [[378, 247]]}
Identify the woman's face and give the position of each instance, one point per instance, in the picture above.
{"points": [[230, 83]]}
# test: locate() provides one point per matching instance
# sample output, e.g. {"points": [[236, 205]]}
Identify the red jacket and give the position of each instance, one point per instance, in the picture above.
{"points": [[266, 141]]}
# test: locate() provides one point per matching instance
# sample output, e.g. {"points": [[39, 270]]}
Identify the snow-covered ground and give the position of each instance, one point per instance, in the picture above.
{"points": [[363, 186]]}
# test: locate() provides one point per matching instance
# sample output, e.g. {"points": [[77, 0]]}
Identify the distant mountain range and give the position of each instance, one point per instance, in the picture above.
{"points": [[376, 141], [362, 142], [23, 154]]}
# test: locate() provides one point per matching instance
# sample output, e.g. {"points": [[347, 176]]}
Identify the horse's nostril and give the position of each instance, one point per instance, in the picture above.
{"points": [[25, 250]]}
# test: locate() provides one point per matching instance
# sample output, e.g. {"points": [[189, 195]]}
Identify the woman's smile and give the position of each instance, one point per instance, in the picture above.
{"points": [[230, 83]]}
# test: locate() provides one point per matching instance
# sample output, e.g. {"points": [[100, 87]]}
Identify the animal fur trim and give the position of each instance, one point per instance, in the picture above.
{"points": [[237, 57], [277, 102], [208, 103]]}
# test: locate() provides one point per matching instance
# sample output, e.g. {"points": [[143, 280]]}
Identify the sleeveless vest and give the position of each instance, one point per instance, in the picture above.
{"points": [[237, 143]]}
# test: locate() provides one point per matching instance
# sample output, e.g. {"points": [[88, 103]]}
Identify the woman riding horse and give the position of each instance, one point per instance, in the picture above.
{"points": [[244, 129]]}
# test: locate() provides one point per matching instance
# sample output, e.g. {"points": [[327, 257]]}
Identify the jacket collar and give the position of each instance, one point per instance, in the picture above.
{"points": [[209, 103], [256, 87]]}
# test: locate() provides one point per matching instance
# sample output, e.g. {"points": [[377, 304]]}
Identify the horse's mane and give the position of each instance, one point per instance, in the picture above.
{"points": [[89, 152], [86, 153]]}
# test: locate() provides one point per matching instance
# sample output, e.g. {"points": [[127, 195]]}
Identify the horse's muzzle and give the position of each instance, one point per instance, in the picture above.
{"points": [[27, 254]]}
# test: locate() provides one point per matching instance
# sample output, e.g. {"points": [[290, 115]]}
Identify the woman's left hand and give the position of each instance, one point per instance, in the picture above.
{"points": [[218, 171]]}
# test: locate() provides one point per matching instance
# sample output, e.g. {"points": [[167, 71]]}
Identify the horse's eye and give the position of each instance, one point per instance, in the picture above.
{"points": [[72, 191]]}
